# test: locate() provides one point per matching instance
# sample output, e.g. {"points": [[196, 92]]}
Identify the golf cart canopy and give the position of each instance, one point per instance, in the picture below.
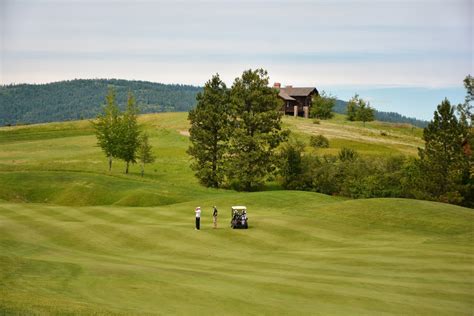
{"points": [[239, 208]]}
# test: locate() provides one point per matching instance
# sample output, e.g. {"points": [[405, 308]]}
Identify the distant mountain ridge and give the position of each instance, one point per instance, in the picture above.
{"points": [[83, 99]]}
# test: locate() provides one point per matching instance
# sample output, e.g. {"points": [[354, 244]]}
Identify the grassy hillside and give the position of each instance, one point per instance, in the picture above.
{"points": [[375, 138], [71, 242]]}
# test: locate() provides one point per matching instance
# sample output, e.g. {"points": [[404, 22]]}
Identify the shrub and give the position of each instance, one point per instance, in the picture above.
{"points": [[347, 154], [319, 141]]}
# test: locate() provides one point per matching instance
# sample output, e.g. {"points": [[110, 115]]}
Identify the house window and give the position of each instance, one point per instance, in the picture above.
{"points": [[287, 104]]}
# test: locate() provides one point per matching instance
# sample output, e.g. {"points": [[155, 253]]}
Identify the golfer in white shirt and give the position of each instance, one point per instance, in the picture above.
{"points": [[198, 218]]}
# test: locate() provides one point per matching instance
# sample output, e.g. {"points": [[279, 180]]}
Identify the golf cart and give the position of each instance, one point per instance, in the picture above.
{"points": [[239, 217]]}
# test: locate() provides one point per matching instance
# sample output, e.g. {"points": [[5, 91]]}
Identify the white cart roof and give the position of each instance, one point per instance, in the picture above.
{"points": [[239, 207]]}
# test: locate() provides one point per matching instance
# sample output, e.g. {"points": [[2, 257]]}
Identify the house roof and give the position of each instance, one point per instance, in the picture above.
{"points": [[296, 92], [282, 94]]}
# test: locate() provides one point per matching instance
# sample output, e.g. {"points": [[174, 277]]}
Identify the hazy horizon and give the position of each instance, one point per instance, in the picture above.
{"points": [[403, 56]]}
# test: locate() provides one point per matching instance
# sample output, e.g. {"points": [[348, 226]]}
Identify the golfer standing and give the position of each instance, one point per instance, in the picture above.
{"points": [[214, 216], [198, 218]]}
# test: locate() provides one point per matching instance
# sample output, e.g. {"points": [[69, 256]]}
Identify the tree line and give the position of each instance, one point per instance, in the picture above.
{"points": [[119, 135], [81, 99]]}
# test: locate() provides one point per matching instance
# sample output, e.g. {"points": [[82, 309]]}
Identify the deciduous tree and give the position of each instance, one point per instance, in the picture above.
{"points": [[107, 128], [144, 153], [352, 107], [364, 112], [129, 133], [322, 105]]}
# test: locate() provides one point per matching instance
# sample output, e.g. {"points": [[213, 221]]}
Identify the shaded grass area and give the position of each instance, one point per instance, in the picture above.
{"points": [[304, 253]]}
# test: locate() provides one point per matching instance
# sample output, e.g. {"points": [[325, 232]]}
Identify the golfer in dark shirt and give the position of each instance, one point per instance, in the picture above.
{"points": [[214, 216]]}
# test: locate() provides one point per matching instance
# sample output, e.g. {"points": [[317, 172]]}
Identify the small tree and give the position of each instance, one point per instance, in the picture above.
{"points": [[129, 133], [364, 113], [209, 133], [322, 105], [107, 127], [144, 153], [352, 108], [359, 110]]}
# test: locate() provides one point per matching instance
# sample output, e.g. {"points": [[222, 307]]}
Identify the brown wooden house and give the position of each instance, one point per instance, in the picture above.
{"points": [[297, 101]]}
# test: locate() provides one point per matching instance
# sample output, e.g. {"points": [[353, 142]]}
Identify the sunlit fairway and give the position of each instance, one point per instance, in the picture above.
{"points": [[77, 239]]}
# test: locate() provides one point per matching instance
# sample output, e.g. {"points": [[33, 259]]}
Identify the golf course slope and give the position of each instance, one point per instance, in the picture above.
{"points": [[76, 239]]}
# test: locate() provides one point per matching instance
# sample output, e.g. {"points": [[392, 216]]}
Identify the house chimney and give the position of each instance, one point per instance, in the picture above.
{"points": [[277, 85]]}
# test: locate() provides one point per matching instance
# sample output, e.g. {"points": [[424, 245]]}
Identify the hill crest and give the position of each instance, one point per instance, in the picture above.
{"points": [[82, 99]]}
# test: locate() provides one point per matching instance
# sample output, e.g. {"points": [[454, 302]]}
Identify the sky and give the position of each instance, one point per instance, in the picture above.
{"points": [[403, 56]]}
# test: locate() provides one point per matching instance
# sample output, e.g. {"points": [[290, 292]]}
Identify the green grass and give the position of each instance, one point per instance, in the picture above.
{"points": [[304, 254], [76, 239]]}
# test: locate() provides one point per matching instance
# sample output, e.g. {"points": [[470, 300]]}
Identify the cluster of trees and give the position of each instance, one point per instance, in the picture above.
{"points": [[359, 110], [341, 107], [80, 99], [443, 171], [234, 132], [118, 133]]}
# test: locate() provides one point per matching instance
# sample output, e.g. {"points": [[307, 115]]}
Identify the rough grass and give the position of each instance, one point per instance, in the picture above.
{"points": [[375, 138], [70, 242]]}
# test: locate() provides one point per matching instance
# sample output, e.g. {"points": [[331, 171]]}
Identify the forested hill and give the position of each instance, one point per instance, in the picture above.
{"points": [[83, 99]]}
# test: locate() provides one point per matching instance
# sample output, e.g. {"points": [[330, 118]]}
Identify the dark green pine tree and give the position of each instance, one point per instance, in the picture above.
{"points": [[209, 133], [129, 132], [256, 130], [107, 128], [443, 161]]}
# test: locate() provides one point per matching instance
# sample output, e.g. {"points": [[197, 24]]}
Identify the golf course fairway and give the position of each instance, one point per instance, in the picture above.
{"points": [[76, 239]]}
